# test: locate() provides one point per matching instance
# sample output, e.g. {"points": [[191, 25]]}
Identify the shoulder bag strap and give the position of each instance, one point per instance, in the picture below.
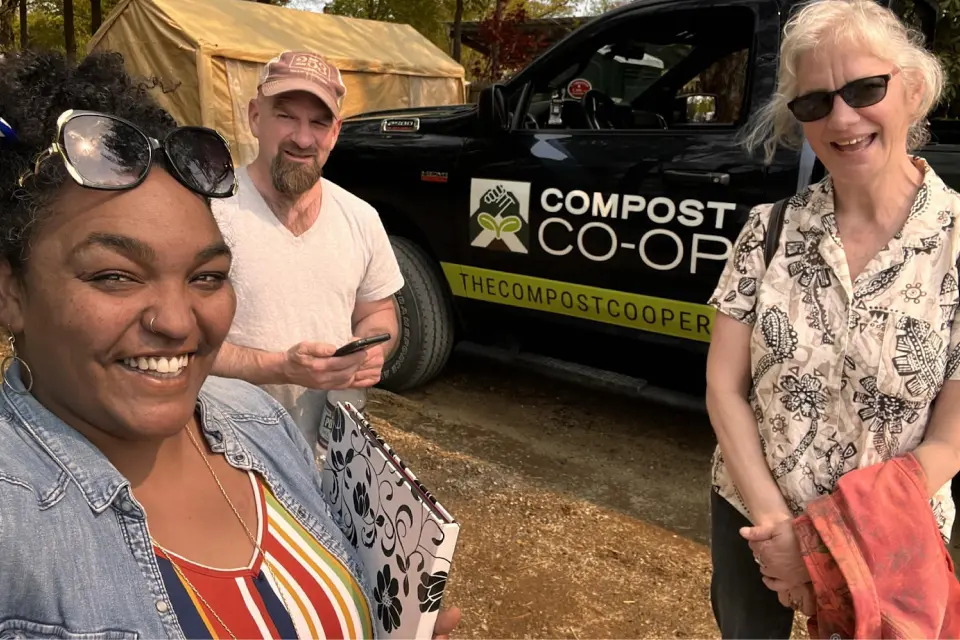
{"points": [[774, 228]]}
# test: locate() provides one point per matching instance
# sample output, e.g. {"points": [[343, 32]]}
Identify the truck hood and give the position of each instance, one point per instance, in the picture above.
{"points": [[413, 112], [417, 121]]}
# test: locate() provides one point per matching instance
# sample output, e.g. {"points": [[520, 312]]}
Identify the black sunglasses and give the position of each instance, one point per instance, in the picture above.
{"points": [[864, 92], [102, 151]]}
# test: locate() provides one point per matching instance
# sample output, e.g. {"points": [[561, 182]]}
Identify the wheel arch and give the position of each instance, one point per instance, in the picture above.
{"points": [[399, 224]]}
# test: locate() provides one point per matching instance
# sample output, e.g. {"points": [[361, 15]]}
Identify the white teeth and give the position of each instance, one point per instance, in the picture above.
{"points": [[160, 365], [847, 143]]}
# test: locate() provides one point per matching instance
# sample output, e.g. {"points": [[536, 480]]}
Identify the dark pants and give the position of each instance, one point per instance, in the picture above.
{"points": [[743, 606]]}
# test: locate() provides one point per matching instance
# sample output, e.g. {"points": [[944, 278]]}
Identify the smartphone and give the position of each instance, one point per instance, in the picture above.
{"points": [[359, 345]]}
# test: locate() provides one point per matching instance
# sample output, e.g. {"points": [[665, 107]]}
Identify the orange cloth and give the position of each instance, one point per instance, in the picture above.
{"points": [[876, 558]]}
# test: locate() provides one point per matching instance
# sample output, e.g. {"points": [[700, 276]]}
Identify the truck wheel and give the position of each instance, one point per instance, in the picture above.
{"points": [[426, 321]]}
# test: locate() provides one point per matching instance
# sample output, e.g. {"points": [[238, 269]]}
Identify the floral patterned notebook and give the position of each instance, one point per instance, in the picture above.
{"points": [[404, 537]]}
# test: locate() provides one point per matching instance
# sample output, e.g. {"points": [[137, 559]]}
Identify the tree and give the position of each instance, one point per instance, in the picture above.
{"points": [[504, 40], [24, 40], [45, 23], [69, 30], [535, 9], [429, 17], [96, 16], [511, 47], [457, 35], [463, 10], [598, 7], [493, 32], [426, 16], [8, 9], [946, 44], [727, 79]]}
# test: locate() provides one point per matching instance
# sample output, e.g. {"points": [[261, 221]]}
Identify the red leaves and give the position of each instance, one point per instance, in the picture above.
{"points": [[511, 42]]}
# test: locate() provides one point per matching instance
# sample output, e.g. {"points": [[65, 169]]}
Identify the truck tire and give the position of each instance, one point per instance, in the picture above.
{"points": [[425, 316]]}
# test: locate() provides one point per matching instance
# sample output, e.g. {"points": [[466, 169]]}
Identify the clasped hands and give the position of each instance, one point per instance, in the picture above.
{"points": [[776, 549]]}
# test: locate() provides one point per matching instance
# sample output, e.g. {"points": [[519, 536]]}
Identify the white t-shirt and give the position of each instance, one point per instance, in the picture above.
{"points": [[295, 288]]}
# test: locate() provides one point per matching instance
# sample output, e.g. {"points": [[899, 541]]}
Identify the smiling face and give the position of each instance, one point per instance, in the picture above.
{"points": [[296, 133], [102, 265], [857, 145]]}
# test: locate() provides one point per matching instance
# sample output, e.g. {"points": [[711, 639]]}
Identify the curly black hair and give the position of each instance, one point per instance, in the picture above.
{"points": [[35, 88]]}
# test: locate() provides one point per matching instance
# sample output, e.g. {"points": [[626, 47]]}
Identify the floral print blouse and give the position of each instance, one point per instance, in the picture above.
{"points": [[844, 372]]}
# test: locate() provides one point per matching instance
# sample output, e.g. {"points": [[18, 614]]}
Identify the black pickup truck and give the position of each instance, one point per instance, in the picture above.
{"points": [[584, 209]]}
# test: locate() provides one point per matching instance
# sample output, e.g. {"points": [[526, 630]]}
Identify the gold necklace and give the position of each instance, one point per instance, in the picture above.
{"points": [[182, 575], [196, 592]]}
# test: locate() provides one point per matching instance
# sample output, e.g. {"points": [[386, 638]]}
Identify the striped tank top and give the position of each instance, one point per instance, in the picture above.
{"points": [[299, 590]]}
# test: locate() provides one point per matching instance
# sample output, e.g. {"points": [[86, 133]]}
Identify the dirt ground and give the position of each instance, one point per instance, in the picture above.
{"points": [[582, 515]]}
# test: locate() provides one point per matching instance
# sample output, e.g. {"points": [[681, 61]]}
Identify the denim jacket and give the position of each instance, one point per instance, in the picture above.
{"points": [[76, 559]]}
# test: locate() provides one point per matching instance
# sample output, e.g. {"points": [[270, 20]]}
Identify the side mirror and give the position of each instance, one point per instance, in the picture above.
{"points": [[492, 108], [700, 107]]}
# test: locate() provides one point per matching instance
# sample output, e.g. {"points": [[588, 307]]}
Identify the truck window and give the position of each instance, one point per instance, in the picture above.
{"points": [[667, 70]]}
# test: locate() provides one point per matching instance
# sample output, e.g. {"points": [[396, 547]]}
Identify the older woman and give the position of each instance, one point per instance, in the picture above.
{"points": [[138, 498], [830, 358]]}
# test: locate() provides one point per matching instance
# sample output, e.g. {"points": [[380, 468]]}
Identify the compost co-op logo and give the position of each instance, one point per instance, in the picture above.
{"points": [[500, 215]]}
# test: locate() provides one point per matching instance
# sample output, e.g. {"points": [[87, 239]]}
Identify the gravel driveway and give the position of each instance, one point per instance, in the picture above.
{"points": [[583, 515]]}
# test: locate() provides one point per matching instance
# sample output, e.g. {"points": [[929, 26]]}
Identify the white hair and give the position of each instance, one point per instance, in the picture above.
{"points": [[866, 24]]}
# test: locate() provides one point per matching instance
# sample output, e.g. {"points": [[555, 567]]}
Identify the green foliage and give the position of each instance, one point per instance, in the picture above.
{"points": [[946, 45], [45, 23], [597, 7], [429, 17], [421, 14]]}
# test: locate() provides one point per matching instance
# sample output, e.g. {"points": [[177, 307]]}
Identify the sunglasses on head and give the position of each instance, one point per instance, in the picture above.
{"points": [[864, 92], [106, 152]]}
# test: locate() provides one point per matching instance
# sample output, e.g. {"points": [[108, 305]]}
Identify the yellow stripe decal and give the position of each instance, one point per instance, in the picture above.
{"points": [[646, 313]]}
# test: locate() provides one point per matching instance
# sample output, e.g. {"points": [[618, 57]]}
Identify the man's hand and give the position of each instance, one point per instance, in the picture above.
{"points": [[777, 551], [370, 371], [312, 365]]}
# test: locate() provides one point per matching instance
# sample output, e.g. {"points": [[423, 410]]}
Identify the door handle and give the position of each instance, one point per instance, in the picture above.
{"points": [[712, 177]]}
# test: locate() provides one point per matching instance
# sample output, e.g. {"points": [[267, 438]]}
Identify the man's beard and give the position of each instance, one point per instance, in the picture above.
{"points": [[294, 178]]}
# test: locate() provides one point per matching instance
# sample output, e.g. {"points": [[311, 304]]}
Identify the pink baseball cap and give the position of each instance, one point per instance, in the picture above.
{"points": [[304, 71]]}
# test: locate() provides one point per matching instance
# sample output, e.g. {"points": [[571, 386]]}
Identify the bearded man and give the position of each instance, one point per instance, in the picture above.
{"points": [[313, 267]]}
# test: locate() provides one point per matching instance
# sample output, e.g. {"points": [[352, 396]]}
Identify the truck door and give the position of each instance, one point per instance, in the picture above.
{"points": [[623, 172]]}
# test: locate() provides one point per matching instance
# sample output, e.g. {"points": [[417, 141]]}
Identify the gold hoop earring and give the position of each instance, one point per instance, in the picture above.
{"points": [[9, 360]]}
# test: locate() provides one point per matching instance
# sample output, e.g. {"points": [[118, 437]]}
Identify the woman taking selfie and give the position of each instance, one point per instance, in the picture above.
{"points": [[830, 358], [138, 498]]}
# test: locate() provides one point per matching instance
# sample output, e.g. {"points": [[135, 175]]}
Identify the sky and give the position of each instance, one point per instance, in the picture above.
{"points": [[307, 5]]}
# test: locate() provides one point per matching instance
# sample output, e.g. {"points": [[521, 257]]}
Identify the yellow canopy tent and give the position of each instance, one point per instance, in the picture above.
{"points": [[205, 59]]}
